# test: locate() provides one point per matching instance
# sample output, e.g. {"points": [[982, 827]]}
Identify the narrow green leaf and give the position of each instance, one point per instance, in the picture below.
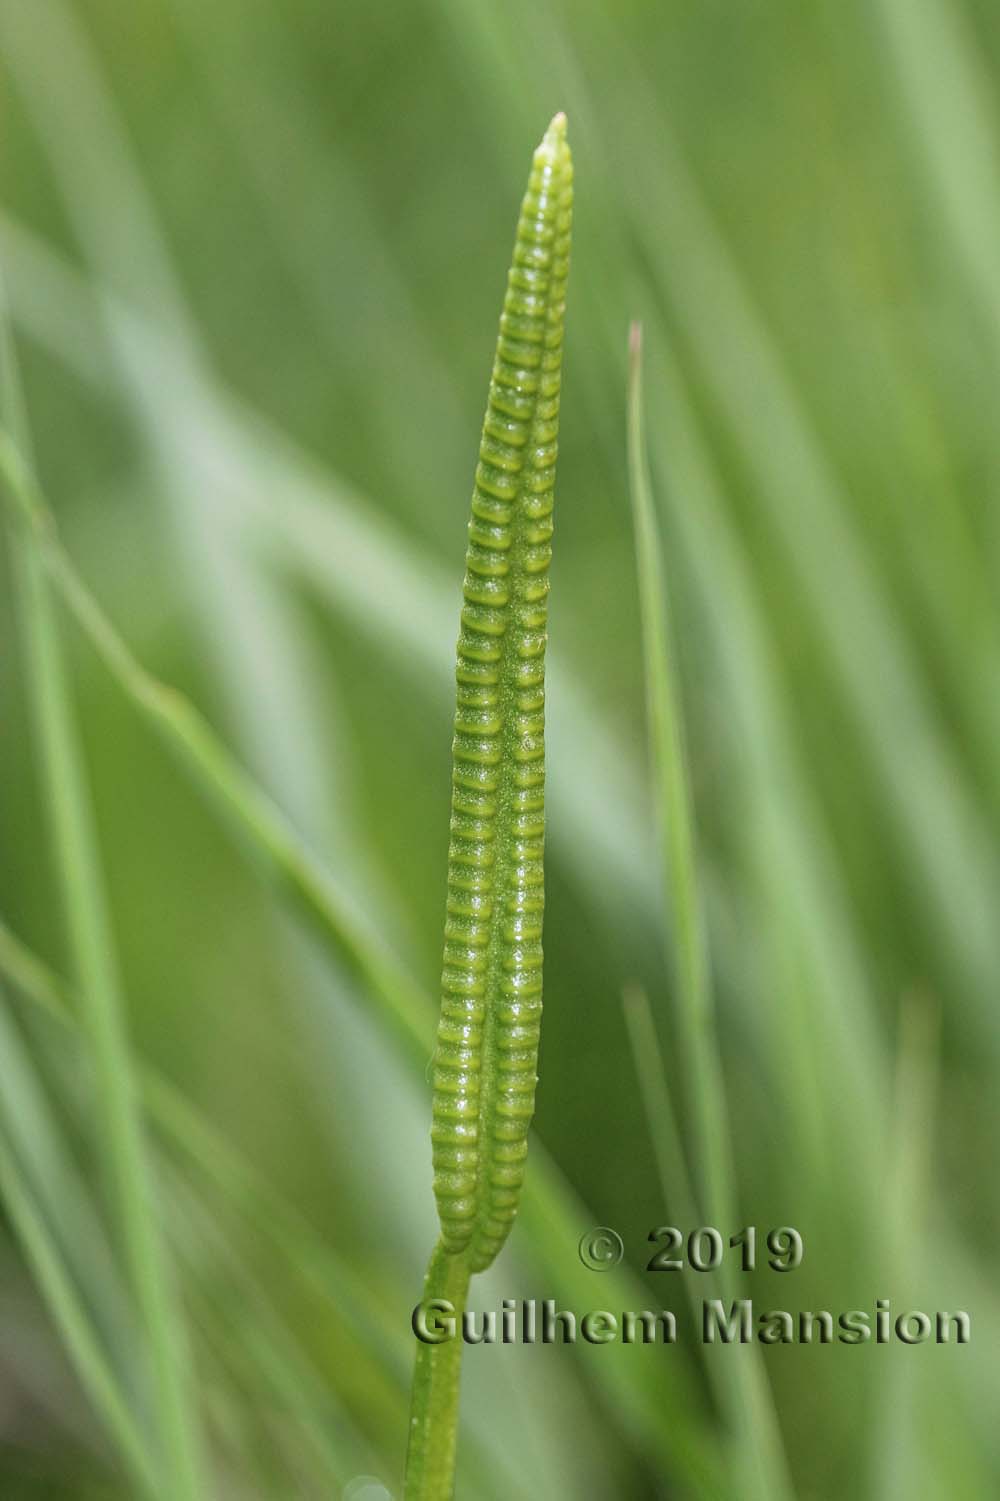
{"points": [[759, 1463], [899, 1458], [197, 1141], [668, 757], [949, 106], [116, 1110], [82, 1341], [785, 834]]}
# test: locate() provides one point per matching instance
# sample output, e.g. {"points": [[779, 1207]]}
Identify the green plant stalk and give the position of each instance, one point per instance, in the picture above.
{"points": [[72, 1318], [759, 1466], [664, 1132], [754, 1458], [485, 1065], [433, 1436], [896, 1469], [118, 1115], [668, 757], [266, 1358]]}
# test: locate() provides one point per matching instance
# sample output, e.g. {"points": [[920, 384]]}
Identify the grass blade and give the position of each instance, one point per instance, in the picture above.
{"points": [[759, 1437], [81, 1340], [787, 837], [668, 757], [899, 1459], [196, 1140], [118, 1116], [946, 95]]}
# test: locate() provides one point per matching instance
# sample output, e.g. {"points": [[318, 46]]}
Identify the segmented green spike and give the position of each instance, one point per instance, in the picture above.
{"points": [[487, 1051]]}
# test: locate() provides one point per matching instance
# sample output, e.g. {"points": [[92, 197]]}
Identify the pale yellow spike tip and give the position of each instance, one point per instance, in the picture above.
{"points": [[555, 136]]}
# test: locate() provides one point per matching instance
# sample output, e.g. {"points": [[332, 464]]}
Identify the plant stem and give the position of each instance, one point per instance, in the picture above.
{"points": [[761, 1470], [79, 872], [668, 756], [69, 1312], [430, 1455]]}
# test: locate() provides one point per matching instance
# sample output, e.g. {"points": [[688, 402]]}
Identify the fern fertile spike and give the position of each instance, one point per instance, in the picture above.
{"points": [[487, 1049]]}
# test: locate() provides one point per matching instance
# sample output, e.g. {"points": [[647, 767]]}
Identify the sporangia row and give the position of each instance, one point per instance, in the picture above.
{"points": [[487, 1046]]}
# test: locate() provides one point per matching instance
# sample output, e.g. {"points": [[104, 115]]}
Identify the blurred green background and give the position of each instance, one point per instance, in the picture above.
{"points": [[254, 255]]}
